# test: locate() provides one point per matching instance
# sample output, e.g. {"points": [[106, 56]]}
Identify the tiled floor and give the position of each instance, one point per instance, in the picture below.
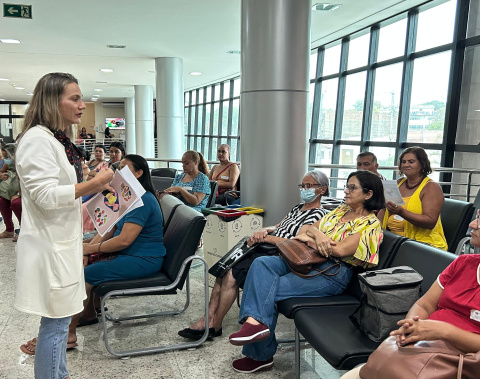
{"points": [[92, 361]]}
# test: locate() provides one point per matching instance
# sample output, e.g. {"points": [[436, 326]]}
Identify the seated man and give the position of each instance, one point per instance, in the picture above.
{"points": [[314, 185], [368, 161]]}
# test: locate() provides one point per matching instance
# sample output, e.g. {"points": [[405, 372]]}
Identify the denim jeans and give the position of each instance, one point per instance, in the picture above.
{"points": [[269, 281], [51, 349]]}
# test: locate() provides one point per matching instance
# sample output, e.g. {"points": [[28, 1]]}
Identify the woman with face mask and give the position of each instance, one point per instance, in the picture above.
{"points": [[314, 185]]}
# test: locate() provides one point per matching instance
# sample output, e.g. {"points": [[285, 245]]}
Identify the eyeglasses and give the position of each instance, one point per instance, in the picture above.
{"points": [[351, 187], [308, 185]]}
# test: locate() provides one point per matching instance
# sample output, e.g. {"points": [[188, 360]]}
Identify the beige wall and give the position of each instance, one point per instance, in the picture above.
{"points": [[88, 119]]}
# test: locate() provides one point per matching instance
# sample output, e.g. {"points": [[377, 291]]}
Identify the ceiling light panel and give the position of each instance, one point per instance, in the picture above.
{"points": [[116, 46], [325, 7], [9, 40], [106, 69], [195, 73]]}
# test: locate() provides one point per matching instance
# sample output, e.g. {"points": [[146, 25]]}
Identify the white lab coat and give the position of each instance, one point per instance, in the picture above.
{"points": [[49, 280]]}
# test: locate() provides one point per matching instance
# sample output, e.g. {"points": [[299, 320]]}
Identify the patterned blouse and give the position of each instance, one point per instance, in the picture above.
{"points": [[369, 227], [295, 219], [199, 184]]}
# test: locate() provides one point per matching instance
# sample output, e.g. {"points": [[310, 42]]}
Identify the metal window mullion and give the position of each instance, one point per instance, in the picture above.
{"points": [[210, 126], [407, 79], [369, 87], [204, 115], [195, 145], [189, 127], [342, 82], [230, 113], [316, 106], [220, 111]]}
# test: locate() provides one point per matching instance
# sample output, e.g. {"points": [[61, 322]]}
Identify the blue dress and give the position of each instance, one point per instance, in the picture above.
{"points": [[144, 256], [199, 184]]}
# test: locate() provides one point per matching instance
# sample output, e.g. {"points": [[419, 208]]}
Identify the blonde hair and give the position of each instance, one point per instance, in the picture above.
{"points": [[44, 105]]}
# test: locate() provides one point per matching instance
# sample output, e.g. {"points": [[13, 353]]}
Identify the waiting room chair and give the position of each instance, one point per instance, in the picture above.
{"points": [[455, 216], [161, 183], [168, 204], [329, 329], [213, 194], [180, 240], [166, 172]]}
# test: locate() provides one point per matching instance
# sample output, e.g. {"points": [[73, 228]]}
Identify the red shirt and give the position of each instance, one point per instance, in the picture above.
{"points": [[461, 293]]}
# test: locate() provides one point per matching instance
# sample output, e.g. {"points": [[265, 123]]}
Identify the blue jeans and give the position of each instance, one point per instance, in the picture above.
{"points": [[51, 349], [269, 281]]}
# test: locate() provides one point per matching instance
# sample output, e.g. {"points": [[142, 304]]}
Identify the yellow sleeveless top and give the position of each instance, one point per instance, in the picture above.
{"points": [[434, 237]]}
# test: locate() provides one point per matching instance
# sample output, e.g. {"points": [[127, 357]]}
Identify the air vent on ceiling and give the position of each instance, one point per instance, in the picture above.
{"points": [[233, 52], [117, 46], [112, 105], [101, 82], [325, 7]]}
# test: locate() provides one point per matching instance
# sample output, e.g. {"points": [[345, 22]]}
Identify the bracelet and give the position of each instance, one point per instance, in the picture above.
{"points": [[99, 245]]}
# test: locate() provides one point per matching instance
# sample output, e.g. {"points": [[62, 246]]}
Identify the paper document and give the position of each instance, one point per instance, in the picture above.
{"points": [[107, 208], [391, 192]]}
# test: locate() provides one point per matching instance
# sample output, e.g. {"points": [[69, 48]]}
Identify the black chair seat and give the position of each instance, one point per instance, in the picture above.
{"points": [[156, 280], [322, 328], [288, 307]]}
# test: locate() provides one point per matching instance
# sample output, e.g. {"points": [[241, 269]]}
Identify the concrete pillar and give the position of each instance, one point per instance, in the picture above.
{"points": [[144, 121], [130, 125], [274, 96], [170, 108]]}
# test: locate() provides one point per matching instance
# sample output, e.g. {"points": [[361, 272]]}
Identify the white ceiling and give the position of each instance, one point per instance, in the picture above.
{"points": [[72, 36]]}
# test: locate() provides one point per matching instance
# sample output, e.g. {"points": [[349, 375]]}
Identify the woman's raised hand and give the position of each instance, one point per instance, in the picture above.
{"points": [[103, 179]]}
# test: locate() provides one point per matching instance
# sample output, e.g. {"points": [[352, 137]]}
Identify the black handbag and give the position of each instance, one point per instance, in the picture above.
{"points": [[235, 254]]}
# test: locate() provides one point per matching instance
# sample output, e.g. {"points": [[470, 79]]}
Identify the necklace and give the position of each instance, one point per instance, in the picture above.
{"points": [[415, 186]]}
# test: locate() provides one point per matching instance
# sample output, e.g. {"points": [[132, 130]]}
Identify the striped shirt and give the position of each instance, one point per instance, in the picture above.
{"points": [[295, 219]]}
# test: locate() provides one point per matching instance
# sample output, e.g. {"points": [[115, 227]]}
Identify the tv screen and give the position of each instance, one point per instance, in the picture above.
{"points": [[115, 123]]}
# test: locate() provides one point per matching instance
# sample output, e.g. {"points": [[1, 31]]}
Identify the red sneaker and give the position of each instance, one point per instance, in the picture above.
{"points": [[249, 365], [249, 334]]}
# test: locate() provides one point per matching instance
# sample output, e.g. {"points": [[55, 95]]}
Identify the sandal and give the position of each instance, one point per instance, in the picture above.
{"points": [[15, 238], [29, 347], [6, 234]]}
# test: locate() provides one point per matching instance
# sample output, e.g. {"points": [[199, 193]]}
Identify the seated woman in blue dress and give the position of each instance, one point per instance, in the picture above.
{"points": [[192, 186], [135, 243]]}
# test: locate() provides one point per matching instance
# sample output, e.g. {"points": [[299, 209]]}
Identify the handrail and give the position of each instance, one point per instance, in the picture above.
{"points": [[469, 171]]}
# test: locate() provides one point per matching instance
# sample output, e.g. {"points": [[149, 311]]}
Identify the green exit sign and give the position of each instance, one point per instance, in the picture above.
{"points": [[17, 10]]}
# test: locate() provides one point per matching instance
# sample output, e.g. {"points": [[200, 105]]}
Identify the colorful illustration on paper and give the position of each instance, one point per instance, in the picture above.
{"points": [[100, 216], [111, 201], [126, 192]]}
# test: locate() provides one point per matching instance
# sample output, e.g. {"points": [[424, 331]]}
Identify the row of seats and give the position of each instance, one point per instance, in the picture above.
{"points": [[183, 227], [325, 322]]}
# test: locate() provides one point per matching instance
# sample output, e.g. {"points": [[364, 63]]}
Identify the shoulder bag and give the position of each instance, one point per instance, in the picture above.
{"points": [[300, 258]]}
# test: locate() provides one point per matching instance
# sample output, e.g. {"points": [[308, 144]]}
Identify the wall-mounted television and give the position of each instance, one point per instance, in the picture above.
{"points": [[115, 123]]}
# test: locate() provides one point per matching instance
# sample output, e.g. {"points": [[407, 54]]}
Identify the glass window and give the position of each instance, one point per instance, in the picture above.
{"points": [[313, 65], [327, 109], [190, 143], [331, 60], [213, 148], [207, 119], [198, 143], [187, 98], [435, 158], [4, 109], [388, 83], [209, 93], [358, 51], [200, 96], [323, 154], [225, 119], [348, 155], [468, 129], [235, 114], [236, 87], [215, 118], [199, 119], [185, 121], [206, 150], [192, 120], [217, 92], [473, 26], [194, 97], [233, 150], [435, 26], [391, 41], [429, 96], [385, 157], [226, 89], [353, 108]]}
